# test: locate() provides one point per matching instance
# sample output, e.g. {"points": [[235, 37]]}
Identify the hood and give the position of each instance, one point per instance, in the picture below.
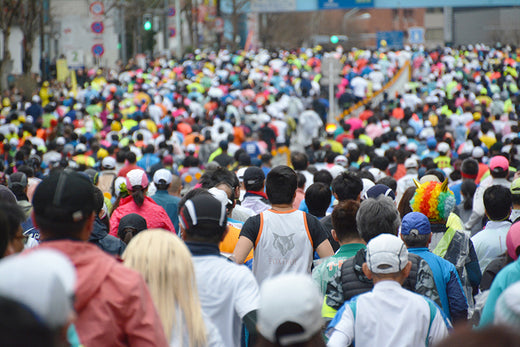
{"points": [[359, 259], [99, 230], [92, 267]]}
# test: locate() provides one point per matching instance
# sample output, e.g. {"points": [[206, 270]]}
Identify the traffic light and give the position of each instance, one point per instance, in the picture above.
{"points": [[334, 39], [147, 22]]}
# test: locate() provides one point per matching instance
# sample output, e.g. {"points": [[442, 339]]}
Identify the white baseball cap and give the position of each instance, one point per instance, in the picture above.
{"points": [[136, 177], [240, 174], [81, 148], [443, 147], [108, 163], [162, 176], [60, 141], [42, 280], [410, 163], [386, 254], [291, 298], [477, 152], [507, 309]]}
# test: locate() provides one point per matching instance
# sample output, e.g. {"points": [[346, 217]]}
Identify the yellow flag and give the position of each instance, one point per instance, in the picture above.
{"points": [[74, 82], [62, 70]]}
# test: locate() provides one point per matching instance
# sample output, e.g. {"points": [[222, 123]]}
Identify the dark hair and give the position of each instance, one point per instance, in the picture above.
{"points": [[99, 200], [137, 194], [131, 157], [415, 241], [491, 336], [347, 186], [469, 166], [301, 180], [281, 184], [204, 231], [299, 160], [287, 329], [344, 220], [317, 198], [220, 174], [497, 201], [381, 163], [404, 204], [15, 217], [467, 190], [4, 233], [19, 326], [323, 176], [388, 181], [366, 174]]}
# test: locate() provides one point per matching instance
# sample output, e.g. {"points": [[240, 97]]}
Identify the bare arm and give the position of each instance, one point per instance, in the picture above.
{"points": [[324, 249], [242, 249]]}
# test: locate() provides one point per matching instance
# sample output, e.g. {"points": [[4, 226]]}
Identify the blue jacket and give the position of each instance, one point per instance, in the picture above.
{"points": [[147, 161], [451, 292], [506, 277]]}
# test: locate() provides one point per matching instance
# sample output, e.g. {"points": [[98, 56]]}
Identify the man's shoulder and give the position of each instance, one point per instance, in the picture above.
{"points": [[220, 266]]}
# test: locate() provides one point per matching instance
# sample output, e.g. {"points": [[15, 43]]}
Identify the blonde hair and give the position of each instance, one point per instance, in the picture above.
{"points": [[165, 263]]}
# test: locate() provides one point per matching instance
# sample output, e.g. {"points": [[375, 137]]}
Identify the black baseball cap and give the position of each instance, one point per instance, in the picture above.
{"points": [[253, 175], [202, 209], [17, 179], [64, 197]]}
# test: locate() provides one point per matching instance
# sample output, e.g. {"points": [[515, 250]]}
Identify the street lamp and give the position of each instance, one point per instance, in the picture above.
{"points": [[351, 13]]}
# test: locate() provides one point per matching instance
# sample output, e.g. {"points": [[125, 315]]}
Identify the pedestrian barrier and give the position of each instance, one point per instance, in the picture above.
{"points": [[396, 84]]}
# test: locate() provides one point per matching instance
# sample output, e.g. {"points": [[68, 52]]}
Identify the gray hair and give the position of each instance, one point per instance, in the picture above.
{"points": [[377, 216]]}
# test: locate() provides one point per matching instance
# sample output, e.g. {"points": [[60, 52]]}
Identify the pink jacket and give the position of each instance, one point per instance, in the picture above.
{"points": [[155, 215], [113, 305]]}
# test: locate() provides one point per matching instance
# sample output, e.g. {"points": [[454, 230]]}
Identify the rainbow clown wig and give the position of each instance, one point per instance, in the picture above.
{"points": [[434, 200]]}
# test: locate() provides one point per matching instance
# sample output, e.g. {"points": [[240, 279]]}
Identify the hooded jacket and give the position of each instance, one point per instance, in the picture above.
{"points": [[108, 243], [113, 305], [155, 215]]}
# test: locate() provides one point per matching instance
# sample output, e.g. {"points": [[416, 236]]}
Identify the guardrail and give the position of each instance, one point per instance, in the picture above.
{"points": [[395, 84]]}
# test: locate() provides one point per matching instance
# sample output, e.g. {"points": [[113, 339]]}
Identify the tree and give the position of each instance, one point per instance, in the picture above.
{"points": [[9, 11], [29, 22]]}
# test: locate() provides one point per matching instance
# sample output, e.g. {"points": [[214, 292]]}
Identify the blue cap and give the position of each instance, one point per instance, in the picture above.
{"points": [[431, 143], [415, 223], [377, 190]]}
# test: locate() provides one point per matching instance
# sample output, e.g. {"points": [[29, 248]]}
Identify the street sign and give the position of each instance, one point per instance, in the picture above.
{"points": [[219, 25], [390, 39], [97, 8], [338, 4], [97, 27], [416, 35], [98, 50]]}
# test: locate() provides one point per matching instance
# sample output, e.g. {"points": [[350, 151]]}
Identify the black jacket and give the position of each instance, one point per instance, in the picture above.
{"points": [[351, 280]]}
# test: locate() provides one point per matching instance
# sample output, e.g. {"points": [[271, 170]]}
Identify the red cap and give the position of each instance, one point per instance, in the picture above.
{"points": [[499, 162], [513, 240]]}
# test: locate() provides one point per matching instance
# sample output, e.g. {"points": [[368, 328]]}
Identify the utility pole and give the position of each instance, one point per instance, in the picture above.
{"points": [[123, 34], [178, 31], [166, 34]]}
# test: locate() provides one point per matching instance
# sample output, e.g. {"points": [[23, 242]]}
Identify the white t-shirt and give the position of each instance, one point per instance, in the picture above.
{"points": [[227, 293], [389, 315], [377, 78], [359, 86]]}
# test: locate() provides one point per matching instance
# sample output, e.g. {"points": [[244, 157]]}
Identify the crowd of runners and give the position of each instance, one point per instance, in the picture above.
{"points": [[214, 201]]}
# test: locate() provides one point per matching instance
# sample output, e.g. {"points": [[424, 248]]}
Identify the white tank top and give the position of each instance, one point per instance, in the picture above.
{"points": [[283, 244]]}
